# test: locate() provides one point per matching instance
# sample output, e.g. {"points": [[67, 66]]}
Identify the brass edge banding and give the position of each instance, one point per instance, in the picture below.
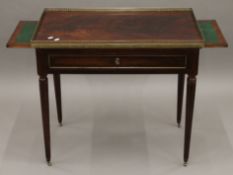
{"points": [[37, 27], [198, 29], [118, 67], [37, 44], [119, 55], [120, 9]]}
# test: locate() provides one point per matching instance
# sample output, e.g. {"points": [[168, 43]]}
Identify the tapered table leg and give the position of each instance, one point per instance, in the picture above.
{"points": [[180, 92], [43, 83], [57, 88], [191, 86]]}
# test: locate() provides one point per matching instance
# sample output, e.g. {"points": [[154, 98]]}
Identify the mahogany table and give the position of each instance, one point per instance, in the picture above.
{"points": [[117, 41]]}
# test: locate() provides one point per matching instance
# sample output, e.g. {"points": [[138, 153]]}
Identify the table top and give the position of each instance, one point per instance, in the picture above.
{"points": [[117, 28]]}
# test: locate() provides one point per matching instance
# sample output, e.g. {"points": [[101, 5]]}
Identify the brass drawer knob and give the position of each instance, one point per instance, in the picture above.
{"points": [[117, 61]]}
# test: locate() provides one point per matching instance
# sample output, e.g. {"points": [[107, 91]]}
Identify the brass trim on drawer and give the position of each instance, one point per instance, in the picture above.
{"points": [[50, 57]]}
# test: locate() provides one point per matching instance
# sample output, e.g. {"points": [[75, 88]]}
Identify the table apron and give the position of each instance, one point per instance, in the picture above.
{"points": [[117, 62]]}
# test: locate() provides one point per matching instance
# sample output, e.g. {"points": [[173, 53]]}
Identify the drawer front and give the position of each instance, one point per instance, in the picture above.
{"points": [[153, 61]]}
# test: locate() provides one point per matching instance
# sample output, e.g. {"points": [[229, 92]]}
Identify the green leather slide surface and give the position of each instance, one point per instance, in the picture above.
{"points": [[27, 32]]}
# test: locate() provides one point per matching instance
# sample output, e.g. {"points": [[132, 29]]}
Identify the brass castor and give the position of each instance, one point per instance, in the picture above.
{"points": [[60, 124], [185, 163], [179, 126]]}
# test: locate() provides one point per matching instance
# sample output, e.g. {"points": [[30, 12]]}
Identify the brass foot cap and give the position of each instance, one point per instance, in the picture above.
{"points": [[179, 126], [60, 124], [185, 163], [49, 163]]}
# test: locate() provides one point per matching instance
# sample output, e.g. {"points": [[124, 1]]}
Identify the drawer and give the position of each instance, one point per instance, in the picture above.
{"points": [[74, 61]]}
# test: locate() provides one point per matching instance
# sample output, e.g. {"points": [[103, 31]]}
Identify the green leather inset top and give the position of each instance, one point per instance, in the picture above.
{"points": [[211, 33], [27, 32], [208, 32]]}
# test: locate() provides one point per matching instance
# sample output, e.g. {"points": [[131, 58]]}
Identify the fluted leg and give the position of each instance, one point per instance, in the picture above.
{"points": [[43, 83], [191, 86], [180, 92], [57, 88]]}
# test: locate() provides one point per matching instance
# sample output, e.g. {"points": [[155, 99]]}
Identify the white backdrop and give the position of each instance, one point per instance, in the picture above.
{"points": [[115, 124]]}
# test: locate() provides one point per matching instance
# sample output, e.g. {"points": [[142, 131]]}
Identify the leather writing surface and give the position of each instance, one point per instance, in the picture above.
{"points": [[118, 26], [158, 26]]}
